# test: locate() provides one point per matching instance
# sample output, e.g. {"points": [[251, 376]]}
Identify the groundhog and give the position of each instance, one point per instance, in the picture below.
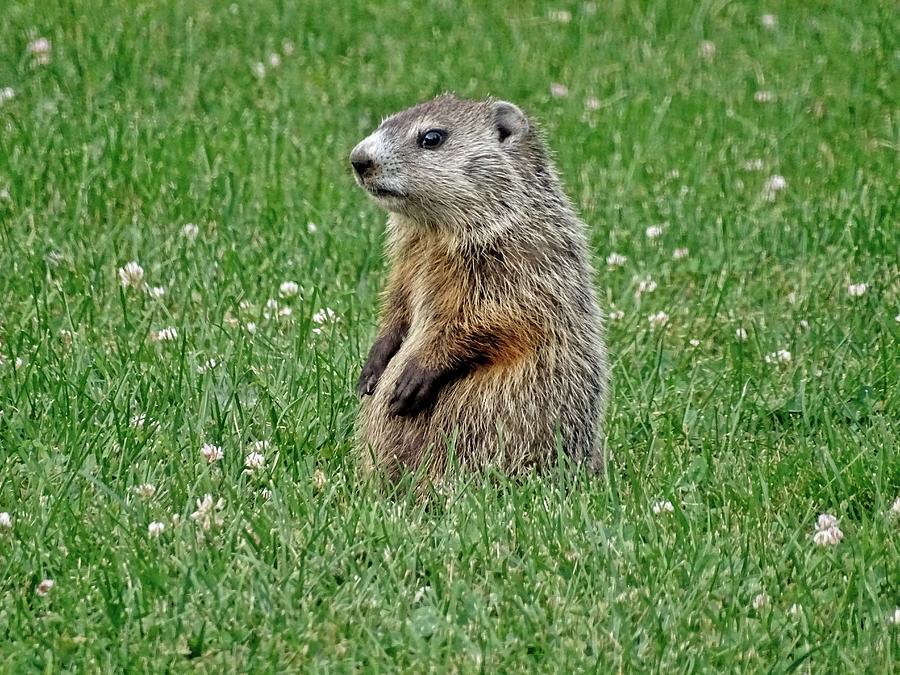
{"points": [[490, 349]]}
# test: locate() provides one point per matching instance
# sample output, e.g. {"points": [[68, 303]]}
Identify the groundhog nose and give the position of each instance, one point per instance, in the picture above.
{"points": [[361, 162], [362, 166]]}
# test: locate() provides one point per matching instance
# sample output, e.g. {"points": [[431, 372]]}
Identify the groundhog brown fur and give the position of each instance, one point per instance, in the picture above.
{"points": [[490, 346]]}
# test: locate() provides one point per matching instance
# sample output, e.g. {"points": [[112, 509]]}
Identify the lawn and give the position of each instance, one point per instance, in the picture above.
{"points": [[737, 166]]}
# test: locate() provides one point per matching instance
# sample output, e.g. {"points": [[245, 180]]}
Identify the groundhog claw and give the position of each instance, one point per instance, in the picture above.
{"points": [[369, 377], [413, 392]]}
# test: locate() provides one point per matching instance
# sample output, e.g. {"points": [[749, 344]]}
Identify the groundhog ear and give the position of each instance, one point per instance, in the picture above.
{"points": [[509, 121]]}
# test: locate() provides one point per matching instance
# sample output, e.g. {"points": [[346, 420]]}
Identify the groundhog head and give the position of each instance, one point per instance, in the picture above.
{"points": [[447, 161]]}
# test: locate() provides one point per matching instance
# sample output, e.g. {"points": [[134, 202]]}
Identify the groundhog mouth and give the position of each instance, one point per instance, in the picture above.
{"points": [[377, 191]]}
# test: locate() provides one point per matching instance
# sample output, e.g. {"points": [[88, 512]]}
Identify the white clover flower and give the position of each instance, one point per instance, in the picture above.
{"points": [[760, 600], [131, 275], [897, 318], [654, 231], [782, 356], [274, 60], [828, 531], [558, 90], [5, 520], [614, 260], [592, 103], [857, 290], [773, 186], [616, 315], [156, 292], [830, 537], [254, 461], [260, 446], [741, 334], [795, 610], [6, 94], [155, 528], [19, 362], [662, 507], [40, 46], [680, 253], [168, 334], [769, 21], [138, 421], [40, 51], [288, 289], [826, 520], [190, 231], [658, 320], [311, 227], [211, 453], [804, 324], [245, 305], [250, 327], [894, 617], [646, 285], [285, 312], [707, 49], [764, 96], [777, 182], [207, 365], [318, 479], [145, 490], [323, 315], [753, 165], [45, 587], [209, 513], [259, 69], [694, 342]]}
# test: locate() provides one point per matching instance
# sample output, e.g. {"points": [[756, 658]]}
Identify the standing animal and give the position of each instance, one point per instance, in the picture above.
{"points": [[490, 345]]}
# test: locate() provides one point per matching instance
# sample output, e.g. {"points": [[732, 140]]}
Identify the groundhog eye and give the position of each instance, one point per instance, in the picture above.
{"points": [[431, 139]]}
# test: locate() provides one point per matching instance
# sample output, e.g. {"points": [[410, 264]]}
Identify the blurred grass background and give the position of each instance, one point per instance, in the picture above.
{"points": [[239, 118]]}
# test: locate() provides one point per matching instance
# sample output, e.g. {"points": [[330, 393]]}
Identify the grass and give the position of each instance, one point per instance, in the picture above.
{"points": [[149, 116]]}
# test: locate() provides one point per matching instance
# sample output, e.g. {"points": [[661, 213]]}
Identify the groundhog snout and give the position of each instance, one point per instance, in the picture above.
{"points": [[361, 161]]}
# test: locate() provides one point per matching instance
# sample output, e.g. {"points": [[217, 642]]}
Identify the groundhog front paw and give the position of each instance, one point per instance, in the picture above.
{"points": [[415, 389], [369, 377], [379, 356]]}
